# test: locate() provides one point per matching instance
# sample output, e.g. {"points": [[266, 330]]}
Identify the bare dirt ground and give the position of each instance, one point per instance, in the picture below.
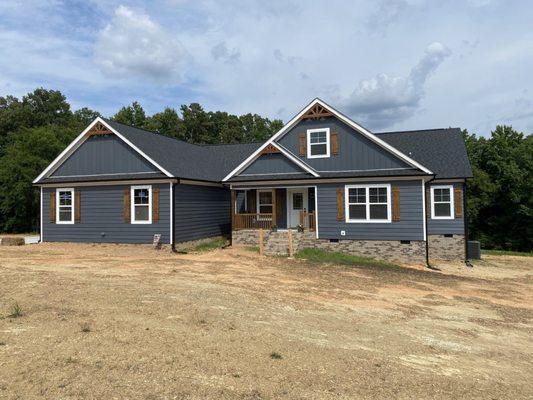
{"points": [[229, 324]]}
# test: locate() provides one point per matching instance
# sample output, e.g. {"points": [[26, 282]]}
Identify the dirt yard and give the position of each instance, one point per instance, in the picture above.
{"points": [[128, 322]]}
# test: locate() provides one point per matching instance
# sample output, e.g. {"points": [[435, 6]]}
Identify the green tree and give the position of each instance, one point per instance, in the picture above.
{"points": [[25, 158], [84, 116], [133, 115], [43, 107], [167, 123]]}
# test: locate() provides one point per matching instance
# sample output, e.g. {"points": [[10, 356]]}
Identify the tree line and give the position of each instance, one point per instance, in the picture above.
{"points": [[37, 127]]}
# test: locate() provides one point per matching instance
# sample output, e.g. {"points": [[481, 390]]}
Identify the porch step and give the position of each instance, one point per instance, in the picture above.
{"points": [[276, 244]]}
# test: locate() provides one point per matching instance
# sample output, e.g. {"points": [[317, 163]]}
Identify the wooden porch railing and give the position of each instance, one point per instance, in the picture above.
{"points": [[307, 220], [252, 221]]}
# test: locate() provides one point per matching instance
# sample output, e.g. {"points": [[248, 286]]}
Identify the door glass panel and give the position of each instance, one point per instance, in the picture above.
{"points": [[297, 201]]}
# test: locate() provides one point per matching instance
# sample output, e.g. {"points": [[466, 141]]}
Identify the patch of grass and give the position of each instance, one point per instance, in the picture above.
{"points": [[276, 356], [16, 311], [210, 245], [506, 253], [254, 249], [333, 257], [85, 327]]}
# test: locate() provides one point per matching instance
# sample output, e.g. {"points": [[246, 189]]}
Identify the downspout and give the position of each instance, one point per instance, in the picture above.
{"points": [[426, 186], [465, 223]]}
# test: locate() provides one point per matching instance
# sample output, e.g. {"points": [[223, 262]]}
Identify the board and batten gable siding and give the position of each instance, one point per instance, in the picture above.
{"points": [[201, 212], [102, 212], [410, 226], [275, 163], [454, 226], [103, 155], [356, 152]]}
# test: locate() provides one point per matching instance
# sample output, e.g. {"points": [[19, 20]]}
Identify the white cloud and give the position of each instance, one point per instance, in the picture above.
{"points": [[383, 100], [133, 45], [221, 52]]}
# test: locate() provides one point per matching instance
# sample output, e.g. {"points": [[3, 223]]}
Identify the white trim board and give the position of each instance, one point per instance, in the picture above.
{"points": [[312, 182], [82, 137], [107, 183], [344, 119]]}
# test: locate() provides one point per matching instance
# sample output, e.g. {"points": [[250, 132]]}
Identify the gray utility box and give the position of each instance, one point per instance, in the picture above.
{"points": [[473, 250]]}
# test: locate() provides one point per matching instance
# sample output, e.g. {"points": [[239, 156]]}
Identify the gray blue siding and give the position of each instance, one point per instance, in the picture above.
{"points": [[102, 218], [200, 212], [454, 226], [103, 155], [356, 152], [410, 226], [272, 164]]}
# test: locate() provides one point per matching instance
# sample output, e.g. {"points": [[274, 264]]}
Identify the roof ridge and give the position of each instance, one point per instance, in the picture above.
{"points": [[417, 130], [229, 144]]}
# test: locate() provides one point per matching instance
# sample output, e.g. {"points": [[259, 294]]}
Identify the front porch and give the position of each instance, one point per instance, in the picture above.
{"points": [[274, 208]]}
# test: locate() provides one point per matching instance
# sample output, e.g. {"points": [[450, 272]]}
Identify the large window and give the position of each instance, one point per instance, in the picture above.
{"points": [[264, 202], [318, 143], [441, 202], [367, 203], [141, 205], [65, 206]]}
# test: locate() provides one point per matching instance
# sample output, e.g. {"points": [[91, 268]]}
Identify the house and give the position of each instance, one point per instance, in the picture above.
{"points": [[392, 195]]}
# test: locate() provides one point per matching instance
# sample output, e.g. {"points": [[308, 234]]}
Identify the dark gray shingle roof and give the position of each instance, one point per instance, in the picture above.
{"points": [[443, 151]]}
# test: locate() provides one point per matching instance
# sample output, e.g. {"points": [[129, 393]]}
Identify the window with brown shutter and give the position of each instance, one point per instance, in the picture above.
{"points": [[155, 205], [334, 143], [395, 203], [77, 207], [127, 206], [458, 199], [303, 144], [340, 204], [52, 207]]}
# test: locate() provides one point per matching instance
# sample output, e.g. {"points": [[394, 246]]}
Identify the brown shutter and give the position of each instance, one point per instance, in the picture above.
{"points": [[335, 143], [428, 203], [395, 203], [340, 205], [77, 206], [155, 205], [252, 201], [458, 200], [52, 207], [303, 144], [127, 206]]}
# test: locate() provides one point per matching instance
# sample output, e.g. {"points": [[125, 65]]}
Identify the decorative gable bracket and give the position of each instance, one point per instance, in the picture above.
{"points": [[317, 112], [99, 129]]}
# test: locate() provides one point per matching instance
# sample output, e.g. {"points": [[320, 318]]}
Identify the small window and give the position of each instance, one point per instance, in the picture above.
{"points": [[141, 205], [65, 206], [369, 203], [441, 202], [264, 202], [318, 143]]}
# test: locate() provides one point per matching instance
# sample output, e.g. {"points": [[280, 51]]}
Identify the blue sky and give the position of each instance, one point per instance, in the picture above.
{"points": [[390, 65]]}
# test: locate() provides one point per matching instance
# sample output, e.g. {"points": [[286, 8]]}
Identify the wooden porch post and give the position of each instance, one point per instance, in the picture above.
{"points": [[274, 214]]}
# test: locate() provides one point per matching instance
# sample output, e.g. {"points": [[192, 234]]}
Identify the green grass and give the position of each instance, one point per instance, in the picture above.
{"points": [[210, 245], [322, 256], [505, 253], [16, 311], [254, 249]]}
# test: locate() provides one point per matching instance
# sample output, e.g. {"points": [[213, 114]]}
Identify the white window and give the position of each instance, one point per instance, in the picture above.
{"points": [[441, 202], [65, 206], [264, 202], [367, 203], [318, 143], [141, 204]]}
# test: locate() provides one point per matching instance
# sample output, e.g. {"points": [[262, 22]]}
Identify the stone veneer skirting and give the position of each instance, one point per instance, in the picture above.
{"points": [[446, 248], [389, 250]]}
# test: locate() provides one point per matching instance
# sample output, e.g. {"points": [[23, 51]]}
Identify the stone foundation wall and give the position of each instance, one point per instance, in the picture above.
{"points": [[388, 250], [181, 246], [446, 248]]}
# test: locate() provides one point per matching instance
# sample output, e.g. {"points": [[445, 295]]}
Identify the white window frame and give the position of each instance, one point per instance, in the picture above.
{"points": [[259, 208], [367, 220], [132, 205], [72, 205], [452, 211], [328, 141]]}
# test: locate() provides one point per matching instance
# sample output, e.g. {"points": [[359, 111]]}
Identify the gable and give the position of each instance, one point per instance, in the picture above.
{"points": [[356, 152], [101, 155], [272, 163]]}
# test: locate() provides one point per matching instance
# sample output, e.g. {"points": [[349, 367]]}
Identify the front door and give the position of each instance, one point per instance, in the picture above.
{"points": [[296, 201]]}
